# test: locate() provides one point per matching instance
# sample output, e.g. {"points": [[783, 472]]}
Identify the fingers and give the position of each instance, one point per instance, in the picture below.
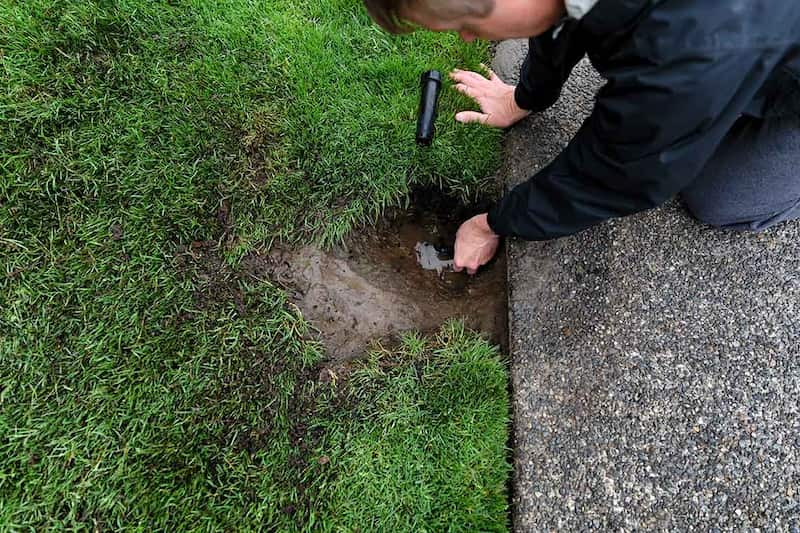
{"points": [[467, 77], [472, 84], [466, 117], [492, 75], [465, 89], [471, 266], [475, 244], [459, 268]]}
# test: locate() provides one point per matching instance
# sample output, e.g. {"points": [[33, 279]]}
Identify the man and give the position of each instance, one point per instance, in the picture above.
{"points": [[702, 98]]}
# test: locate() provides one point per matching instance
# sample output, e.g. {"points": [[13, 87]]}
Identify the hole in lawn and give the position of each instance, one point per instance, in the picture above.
{"points": [[373, 287]]}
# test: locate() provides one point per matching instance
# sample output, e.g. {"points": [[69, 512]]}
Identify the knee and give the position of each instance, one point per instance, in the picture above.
{"points": [[718, 216], [708, 213]]}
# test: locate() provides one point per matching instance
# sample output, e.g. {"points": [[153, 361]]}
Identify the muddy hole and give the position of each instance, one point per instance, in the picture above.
{"points": [[374, 286]]}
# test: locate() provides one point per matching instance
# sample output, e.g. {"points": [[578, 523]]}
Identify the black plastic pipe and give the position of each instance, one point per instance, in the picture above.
{"points": [[430, 85]]}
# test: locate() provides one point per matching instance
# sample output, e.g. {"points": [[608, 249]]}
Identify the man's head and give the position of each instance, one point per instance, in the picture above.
{"points": [[486, 19]]}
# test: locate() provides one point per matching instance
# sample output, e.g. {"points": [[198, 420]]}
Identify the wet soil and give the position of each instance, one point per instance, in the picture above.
{"points": [[371, 288], [374, 288]]}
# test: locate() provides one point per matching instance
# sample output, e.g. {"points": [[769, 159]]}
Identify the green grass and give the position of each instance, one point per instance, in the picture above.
{"points": [[424, 449], [146, 383]]}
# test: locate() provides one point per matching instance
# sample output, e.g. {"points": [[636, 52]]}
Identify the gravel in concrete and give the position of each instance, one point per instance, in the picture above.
{"points": [[655, 368]]}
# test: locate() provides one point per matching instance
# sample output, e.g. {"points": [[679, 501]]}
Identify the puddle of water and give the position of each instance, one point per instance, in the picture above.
{"points": [[375, 286]]}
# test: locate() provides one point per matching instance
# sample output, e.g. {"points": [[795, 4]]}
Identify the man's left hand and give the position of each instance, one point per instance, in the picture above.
{"points": [[476, 244]]}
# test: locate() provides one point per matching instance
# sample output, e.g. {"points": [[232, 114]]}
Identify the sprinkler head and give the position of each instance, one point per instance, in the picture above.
{"points": [[430, 85]]}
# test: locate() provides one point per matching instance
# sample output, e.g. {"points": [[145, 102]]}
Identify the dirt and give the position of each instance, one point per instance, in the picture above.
{"points": [[116, 232], [373, 287]]}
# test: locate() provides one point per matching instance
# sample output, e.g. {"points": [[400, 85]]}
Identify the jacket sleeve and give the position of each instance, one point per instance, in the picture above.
{"points": [[551, 57], [652, 130]]}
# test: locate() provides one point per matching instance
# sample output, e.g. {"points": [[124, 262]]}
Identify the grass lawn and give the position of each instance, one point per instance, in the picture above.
{"points": [[141, 142]]}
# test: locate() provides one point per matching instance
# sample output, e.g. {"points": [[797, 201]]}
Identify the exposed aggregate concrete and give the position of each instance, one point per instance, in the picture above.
{"points": [[655, 364]]}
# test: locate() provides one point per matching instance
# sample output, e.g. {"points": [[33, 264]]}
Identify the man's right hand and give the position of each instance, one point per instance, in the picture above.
{"points": [[475, 245], [495, 98]]}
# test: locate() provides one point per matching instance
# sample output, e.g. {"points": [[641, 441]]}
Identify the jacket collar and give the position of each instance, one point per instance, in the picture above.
{"points": [[576, 9]]}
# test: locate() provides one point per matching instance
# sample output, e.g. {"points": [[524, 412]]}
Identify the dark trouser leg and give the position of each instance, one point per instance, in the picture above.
{"points": [[753, 180]]}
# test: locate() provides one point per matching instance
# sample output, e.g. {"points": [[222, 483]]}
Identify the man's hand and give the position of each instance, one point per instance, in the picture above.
{"points": [[476, 244], [495, 98]]}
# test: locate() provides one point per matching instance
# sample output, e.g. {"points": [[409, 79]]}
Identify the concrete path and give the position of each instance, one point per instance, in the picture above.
{"points": [[655, 362]]}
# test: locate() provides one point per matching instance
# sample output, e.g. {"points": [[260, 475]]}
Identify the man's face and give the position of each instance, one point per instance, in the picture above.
{"points": [[508, 19]]}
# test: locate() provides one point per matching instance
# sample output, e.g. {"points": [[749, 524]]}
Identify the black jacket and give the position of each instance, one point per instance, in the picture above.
{"points": [[679, 73]]}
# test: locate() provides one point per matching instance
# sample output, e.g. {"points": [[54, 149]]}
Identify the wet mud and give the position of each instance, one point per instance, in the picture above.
{"points": [[374, 286]]}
